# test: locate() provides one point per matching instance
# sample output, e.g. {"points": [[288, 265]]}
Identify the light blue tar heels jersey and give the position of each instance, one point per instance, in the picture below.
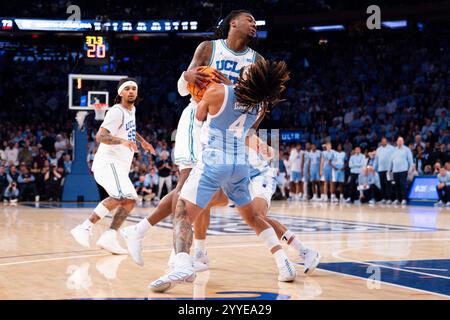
{"points": [[315, 159], [306, 156], [327, 156], [230, 62], [339, 159], [223, 135]]}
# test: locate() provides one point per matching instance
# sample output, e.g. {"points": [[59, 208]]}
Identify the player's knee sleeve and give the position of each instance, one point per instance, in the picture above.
{"points": [[270, 238], [101, 210]]}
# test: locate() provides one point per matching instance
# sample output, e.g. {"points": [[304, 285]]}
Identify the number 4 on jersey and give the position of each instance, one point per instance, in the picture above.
{"points": [[238, 126]]}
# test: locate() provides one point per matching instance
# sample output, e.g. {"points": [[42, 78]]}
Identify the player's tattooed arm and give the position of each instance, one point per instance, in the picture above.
{"points": [[147, 146], [104, 136], [201, 57]]}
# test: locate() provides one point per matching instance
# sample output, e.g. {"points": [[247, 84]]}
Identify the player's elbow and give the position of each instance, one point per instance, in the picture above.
{"points": [[98, 137]]}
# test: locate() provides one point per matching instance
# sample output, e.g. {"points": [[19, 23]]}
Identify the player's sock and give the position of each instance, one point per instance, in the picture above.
{"points": [[200, 245], [294, 242], [143, 226], [101, 211], [280, 258], [87, 224]]}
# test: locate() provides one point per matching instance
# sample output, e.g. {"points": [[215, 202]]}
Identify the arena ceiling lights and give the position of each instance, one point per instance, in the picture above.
{"points": [[333, 27], [395, 24]]}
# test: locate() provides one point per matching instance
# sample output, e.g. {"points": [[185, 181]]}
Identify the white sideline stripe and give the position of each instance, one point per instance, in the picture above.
{"points": [[221, 247]]}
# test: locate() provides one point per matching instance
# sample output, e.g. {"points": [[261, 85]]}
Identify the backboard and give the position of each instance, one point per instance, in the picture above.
{"points": [[89, 90]]}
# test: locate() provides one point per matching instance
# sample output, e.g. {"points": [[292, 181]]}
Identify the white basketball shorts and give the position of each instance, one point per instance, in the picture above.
{"points": [[116, 181], [187, 146]]}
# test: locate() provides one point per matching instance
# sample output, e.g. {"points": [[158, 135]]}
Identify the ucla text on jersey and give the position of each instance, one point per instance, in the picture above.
{"points": [[230, 62]]}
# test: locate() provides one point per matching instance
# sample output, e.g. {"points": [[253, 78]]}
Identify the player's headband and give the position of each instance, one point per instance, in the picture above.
{"points": [[126, 84]]}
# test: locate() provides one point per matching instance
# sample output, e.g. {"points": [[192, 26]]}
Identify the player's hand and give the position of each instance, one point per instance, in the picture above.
{"points": [[219, 77], [267, 152], [148, 147], [198, 78], [130, 144]]}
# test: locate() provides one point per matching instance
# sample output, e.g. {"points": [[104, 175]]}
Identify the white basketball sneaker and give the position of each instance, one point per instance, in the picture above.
{"points": [[134, 243], [287, 272], [201, 261], [82, 235], [183, 271], [311, 259], [171, 262], [108, 241]]}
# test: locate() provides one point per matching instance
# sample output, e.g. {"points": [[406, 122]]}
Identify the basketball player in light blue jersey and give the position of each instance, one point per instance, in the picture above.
{"points": [[229, 53], [305, 171], [338, 173], [325, 171], [314, 168], [229, 113]]}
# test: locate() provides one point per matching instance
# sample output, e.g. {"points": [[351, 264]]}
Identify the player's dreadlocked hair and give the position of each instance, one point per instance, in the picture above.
{"points": [[263, 83], [221, 31]]}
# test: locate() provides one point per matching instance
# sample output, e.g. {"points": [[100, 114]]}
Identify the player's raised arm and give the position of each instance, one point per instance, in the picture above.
{"points": [[211, 102], [201, 57]]}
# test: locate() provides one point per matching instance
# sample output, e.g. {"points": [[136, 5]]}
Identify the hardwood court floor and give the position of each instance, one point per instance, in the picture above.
{"points": [[378, 252]]}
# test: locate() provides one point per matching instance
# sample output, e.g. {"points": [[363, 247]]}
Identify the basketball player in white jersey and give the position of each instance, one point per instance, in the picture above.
{"points": [[117, 138], [228, 54]]}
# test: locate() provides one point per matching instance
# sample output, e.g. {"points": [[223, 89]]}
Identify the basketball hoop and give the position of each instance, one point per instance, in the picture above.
{"points": [[100, 110]]}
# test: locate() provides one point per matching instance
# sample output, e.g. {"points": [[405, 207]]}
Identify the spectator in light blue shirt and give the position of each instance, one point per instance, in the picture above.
{"points": [[443, 188], [401, 162], [382, 165], [369, 185], [356, 163]]}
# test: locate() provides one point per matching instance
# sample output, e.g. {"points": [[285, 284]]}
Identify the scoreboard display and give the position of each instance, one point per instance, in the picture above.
{"points": [[95, 49]]}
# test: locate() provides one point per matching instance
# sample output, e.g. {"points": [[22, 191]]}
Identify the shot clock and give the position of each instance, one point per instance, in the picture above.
{"points": [[96, 49]]}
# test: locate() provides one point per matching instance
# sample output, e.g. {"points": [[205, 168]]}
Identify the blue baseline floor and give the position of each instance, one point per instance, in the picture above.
{"points": [[404, 277]]}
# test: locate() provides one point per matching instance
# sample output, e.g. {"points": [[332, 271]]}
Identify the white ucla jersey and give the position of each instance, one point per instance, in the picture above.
{"points": [[121, 123], [295, 158], [230, 62]]}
